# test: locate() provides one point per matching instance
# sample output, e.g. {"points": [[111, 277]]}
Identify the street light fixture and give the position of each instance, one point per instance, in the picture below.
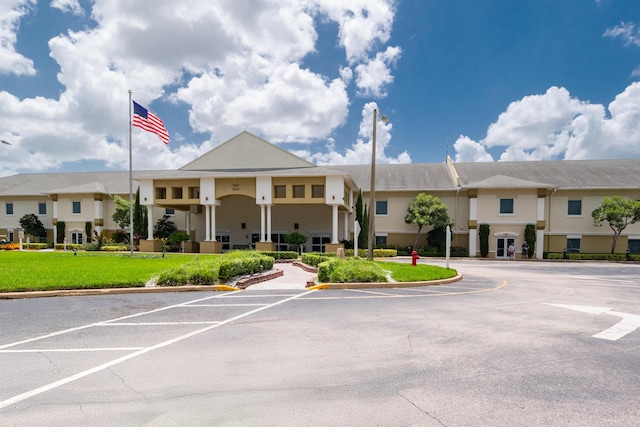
{"points": [[372, 191], [5, 142]]}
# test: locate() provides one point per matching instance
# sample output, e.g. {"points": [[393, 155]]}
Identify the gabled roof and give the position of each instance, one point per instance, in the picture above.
{"points": [[90, 187], [38, 184], [561, 174], [402, 177], [246, 151], [503, 181]]}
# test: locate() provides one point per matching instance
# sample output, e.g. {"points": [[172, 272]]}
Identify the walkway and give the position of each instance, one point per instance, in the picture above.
{"points": [[293, 278]]}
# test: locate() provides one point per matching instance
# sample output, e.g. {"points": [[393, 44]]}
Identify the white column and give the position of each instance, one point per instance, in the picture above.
{"points": [[187, 218], [55, 235], [150, 222], [334, 223], [345, 221], [213, 222], [262, 223], [269, 223], [55, 209], [207, 223], [539, 244], [473, 236]]}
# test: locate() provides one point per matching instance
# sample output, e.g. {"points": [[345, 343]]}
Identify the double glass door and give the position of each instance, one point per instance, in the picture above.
{"points": [[502, 246]]}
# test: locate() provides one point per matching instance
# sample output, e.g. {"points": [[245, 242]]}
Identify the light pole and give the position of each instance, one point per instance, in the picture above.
{"points": [[5, 142], [372, 191]]}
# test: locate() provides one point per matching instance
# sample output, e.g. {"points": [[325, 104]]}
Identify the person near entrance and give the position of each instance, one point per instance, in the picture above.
{"points": [[525, 250], [512, 251]]}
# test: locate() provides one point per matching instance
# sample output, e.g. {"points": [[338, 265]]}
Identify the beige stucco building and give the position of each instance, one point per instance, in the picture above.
{"points": [[248, 192]]}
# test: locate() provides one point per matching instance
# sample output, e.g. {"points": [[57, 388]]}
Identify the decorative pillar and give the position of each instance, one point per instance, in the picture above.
{"points": [[334, 223], [150, 222], [213, 223], [262, 223], [345, 232], [269, 223], [207, 223], [473, 222]]}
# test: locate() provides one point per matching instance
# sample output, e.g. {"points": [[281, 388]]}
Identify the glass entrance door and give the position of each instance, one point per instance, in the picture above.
{"points": [[502, 246]]}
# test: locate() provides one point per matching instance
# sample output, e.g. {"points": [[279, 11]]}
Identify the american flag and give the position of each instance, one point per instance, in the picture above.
{"points": [[143, 119]]}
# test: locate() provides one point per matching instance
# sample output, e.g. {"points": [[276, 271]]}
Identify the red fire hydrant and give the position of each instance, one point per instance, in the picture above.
{"points": [[414, 257]]}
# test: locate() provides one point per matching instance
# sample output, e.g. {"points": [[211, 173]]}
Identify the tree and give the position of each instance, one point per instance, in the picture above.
{"points": [[297, 239], [362, 216], [32, 225], [483, 233], [121, 214], [164, 227], [436, 238], [619, 213], [425, 210], [140, 218]]}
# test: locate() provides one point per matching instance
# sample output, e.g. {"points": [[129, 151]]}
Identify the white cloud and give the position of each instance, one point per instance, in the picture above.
{"points": [[235, 67], [625, 31], [360, 152], [375, 74], [12, 62], [72, 6], [556, 126]]}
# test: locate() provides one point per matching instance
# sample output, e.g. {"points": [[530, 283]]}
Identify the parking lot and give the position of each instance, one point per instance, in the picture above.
{"points": [[513, 343]]}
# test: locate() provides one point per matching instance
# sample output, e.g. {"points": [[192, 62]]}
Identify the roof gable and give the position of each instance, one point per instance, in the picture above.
{"points": [[246, 151], [503, 181]]}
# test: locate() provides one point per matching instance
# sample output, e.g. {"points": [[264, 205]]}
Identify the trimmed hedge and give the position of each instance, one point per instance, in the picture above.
{"points": [[280, 255], [314, 258], [70, 246], [350, 270], [34, 246], [193, 273], [114, 248], [592, 257], [377, 253], [234, 267]]}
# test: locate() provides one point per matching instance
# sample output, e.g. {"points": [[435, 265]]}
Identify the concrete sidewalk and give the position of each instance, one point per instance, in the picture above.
{"points": [[293, 278]]}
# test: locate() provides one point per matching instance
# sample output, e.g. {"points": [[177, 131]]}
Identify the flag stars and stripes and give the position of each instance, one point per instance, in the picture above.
{"points": [[144, 119]]}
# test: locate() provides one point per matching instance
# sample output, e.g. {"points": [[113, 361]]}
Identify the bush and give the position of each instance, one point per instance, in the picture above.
{"points": [[231, 267], [351, 270], [591, 257], [70, 246], [193, 273], [280, 255], [114, 248], [484, 240], [377, 253], [314, 259], [120, 236], [10, 246], [92, 247]]}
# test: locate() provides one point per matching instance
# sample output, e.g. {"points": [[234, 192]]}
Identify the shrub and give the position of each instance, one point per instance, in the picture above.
{"points": [[193, 273], [70, 246], [350, 270], [114, 248], [592, 257], [314, 259], [280, 255], [92, 247], [231, 267], [10, 246], [484, 240]]}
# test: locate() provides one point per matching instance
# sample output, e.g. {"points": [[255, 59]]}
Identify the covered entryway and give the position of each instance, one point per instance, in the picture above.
{"points": [[503, 240]]}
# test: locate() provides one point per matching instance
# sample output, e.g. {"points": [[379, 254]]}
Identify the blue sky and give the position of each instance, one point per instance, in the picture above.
{"points": [[483, 80]]}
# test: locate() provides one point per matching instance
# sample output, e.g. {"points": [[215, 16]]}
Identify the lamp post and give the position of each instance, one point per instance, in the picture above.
{"points": [[5, 142], [372, 191]]}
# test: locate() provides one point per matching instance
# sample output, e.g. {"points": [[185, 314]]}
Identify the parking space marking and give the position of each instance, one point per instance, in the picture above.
{"points": [[51, 386], [370, 292], [221, 305], [155, 323], [72, 350]]}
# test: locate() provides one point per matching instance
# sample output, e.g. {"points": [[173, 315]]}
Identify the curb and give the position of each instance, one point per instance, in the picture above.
{"points": [[377, 285]]}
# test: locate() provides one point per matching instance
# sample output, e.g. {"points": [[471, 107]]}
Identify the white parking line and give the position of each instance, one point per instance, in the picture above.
{"points": [[67, 380], [71, 350], [155, 323]]}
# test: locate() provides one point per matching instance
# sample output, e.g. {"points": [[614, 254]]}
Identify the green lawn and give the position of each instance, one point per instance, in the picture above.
{"points": [[31, 270], [403, 272]]}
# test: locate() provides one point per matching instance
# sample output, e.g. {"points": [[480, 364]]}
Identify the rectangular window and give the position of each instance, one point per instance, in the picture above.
{"points": [[42, 208], [381, 207], [573, 245], [169, 211], [574, 207], [194, 192], [381, 240], [76, 209], [634, 246], [298, 191], [9, 208], [279, 191], [176, 193], [506, 206], [317, 191], [161, 193], [76, 237]]}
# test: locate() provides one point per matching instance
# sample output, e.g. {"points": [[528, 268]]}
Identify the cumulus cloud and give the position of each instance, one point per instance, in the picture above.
{"points": [[360, 152], [556, 126], [12, 62], [71, 6], [234, 68]]}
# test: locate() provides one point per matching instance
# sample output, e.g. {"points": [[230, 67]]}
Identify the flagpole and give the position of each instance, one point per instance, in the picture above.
{"points": [[130, 182]]}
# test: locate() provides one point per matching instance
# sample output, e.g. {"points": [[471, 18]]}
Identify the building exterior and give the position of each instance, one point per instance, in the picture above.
{"points": [[248, 193]]}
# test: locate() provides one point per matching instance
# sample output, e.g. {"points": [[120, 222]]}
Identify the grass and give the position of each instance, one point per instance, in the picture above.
{"points": [[402, 272], [39, 271]]}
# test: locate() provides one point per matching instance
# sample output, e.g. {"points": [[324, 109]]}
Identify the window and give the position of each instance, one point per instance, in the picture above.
{"points": [[317, 191], [76, 209], [506, 206], [298, 191], [280, 191], [42, 208], [381, 240], [634, 246], [161, 193], [381, 207], [169, 211], [76, 236], [9, 208], [573, 244], [574, 207], [194, 192], [176, 193], [318, 242]]}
